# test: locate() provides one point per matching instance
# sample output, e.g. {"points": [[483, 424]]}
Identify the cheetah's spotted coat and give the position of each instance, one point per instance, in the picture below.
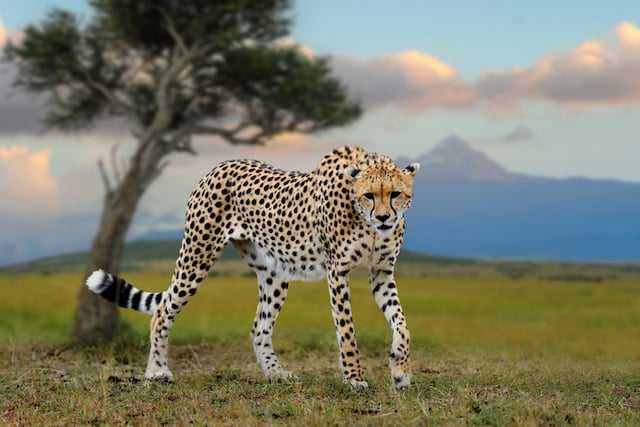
{"points": [[287, 226]]}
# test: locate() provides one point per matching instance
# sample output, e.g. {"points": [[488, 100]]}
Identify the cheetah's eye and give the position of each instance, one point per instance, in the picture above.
{"points": [[395, 194], [368, 196]]}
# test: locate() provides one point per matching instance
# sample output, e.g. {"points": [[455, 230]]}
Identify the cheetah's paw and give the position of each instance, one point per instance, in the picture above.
{"points": [[358, 385], [159, 374], [281, 375]]}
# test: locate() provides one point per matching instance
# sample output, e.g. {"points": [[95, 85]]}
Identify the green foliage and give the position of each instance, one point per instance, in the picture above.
{"points": [[224, 23], [60, 58], [293, 89], [176, 64]]}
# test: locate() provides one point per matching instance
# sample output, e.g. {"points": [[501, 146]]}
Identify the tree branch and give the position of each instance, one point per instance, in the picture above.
{"points": [[114, 164], [114, 102], [173, 32], [184, 145], [179, 141], [105, 177], [170, 76]]}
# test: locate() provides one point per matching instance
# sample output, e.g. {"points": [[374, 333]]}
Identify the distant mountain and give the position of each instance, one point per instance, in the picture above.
{"points": [[455, 160], [466, 204]]}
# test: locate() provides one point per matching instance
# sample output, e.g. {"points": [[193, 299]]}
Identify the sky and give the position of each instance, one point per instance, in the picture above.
{"points": [[545, 88]]}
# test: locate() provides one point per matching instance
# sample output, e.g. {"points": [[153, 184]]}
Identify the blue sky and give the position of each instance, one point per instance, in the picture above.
{"points": [[545, 88], [473, 35]]}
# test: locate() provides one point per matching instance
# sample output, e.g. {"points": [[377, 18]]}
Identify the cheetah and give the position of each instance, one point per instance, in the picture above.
{"points": [[285, 225]]}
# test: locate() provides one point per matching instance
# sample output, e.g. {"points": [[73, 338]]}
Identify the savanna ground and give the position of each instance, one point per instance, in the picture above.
{"points": [[487, 349]]}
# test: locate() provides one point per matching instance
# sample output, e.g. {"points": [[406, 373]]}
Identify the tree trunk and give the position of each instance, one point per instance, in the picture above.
{"points": [[96, 318]]}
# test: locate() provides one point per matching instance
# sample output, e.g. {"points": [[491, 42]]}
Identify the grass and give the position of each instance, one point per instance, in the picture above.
{"points": [[219, 384], [487, 350]]}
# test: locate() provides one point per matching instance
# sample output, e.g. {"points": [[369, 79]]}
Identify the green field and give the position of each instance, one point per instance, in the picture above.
{"points": [[506, 344]]}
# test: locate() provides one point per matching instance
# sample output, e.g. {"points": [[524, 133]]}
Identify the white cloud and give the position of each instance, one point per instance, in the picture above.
{"points": [[628, 35], [19, 112], [412, 80], [6, 34], [288, 42], [26, 185], [595, 73], [517, 134], [3, 34]]}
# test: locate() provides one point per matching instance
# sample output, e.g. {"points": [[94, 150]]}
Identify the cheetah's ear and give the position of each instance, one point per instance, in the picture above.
{"points": [[352, 172], [412, 169]]}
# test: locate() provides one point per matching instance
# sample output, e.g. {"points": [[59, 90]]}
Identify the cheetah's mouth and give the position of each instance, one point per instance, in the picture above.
{"points": [[384, 227]]}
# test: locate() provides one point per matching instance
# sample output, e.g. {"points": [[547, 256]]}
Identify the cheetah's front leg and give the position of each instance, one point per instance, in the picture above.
{"points": [[345, 332], [386, 295]]}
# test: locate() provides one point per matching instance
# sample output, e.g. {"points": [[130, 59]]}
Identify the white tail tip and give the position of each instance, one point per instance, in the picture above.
{"points": [[96, 282]]}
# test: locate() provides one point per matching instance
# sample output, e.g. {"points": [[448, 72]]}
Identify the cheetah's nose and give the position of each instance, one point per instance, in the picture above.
{"points": [[382, 218]]}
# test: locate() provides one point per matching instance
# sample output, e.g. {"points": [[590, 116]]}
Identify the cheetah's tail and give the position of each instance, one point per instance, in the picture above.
{"points": [[123, 293]]}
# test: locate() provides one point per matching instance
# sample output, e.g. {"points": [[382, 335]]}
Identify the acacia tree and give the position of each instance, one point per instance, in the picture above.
{"points": [[169, 70]]}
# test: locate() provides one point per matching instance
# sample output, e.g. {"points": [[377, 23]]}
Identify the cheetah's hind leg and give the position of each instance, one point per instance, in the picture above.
{"points": [[272, 292]]}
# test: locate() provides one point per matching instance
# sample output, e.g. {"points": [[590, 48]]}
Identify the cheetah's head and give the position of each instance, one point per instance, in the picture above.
{"points": [[382, 193]]}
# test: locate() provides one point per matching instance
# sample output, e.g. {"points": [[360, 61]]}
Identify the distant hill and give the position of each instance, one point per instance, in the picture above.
{"points": [[135, 253], [159, 256], [138, 255]]}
